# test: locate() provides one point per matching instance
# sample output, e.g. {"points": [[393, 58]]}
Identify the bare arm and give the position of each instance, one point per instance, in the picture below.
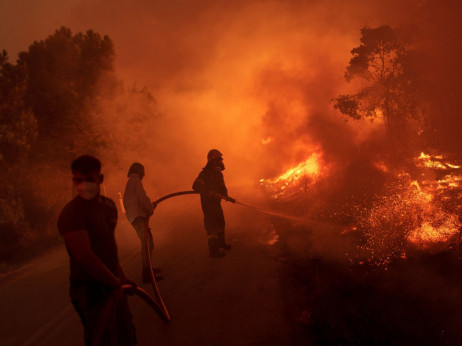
{"points": [[79, 247]]}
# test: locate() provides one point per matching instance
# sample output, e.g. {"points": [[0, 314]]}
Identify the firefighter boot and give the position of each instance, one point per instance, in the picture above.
{"points": [[214, 250], [221, 241]]}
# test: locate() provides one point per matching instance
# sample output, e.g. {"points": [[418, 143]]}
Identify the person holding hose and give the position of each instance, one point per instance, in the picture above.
{"points": [[87, 224], [211, 186], [138, 208]]}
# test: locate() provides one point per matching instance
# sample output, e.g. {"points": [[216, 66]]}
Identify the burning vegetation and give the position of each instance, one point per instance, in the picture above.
{"points": [[370, 264], [422, 210], [382, 238], [380, 210], [295, 180]]}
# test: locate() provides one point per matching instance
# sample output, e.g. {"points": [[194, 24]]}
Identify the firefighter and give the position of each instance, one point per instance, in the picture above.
{"points": [[138, 208], [211, 186], [87, 224]]}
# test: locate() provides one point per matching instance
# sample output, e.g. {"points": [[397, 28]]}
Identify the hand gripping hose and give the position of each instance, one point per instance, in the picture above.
{"points": [[109, 307], [158, 306], [161, 305]]}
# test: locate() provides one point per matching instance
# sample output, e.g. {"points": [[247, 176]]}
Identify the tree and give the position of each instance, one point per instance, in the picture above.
{"points": [[66, 73], [47, 117], [385, 65], [18, 126]]}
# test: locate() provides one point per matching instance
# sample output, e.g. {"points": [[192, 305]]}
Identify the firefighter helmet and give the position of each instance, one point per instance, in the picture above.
{"points": [[213, 154]]}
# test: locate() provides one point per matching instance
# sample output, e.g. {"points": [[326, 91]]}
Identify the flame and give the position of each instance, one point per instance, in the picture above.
{"points": [[423, 213], [435, 161], [380, 165], [266, 140], [310, 167], [299, 177], [411, 213], [427, 233], [437, 225]]}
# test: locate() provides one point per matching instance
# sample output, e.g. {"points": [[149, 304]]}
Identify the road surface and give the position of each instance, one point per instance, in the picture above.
{"points": [[235, 300]]}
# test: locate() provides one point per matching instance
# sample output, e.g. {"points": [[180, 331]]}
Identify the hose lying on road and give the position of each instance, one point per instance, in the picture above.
{"points": [[164, 312]]}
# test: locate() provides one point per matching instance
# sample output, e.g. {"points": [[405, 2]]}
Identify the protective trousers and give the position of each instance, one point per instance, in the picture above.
{"points": [[214, 222]]}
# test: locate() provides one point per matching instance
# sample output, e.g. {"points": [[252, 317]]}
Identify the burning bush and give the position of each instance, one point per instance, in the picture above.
{"points": [[389, 210]]}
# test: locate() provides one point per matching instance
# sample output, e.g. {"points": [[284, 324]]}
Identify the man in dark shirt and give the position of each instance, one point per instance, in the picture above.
{"points": [[87, 224], [211, 186]]}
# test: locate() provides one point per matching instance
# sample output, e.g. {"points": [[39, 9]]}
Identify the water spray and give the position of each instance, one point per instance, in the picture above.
{"points": [[260, 210], [272, 213]]}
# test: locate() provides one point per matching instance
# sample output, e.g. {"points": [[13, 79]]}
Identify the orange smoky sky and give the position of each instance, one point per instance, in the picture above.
{"points": [[247, 77]]}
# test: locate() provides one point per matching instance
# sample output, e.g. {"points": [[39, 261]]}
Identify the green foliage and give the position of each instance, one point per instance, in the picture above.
{"points": [[390, 85]]}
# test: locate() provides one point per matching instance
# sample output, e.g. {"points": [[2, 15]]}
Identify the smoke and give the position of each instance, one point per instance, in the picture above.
{"points": [[218, 69], [252, 79]]}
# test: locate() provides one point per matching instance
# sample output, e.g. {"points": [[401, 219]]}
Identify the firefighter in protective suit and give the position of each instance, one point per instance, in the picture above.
{"points": [[211, 186]]}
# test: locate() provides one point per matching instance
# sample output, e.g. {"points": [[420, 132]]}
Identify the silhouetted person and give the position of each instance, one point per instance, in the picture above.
{"points": [[87, 224], [138, 208], [211, 186]]}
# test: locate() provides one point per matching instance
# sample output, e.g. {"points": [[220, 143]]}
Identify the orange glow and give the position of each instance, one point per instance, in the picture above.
{"points": [[296, 178], [435, 161], [427, 233], [418, 212], [266, 140], [412, 213], [380, 165]]}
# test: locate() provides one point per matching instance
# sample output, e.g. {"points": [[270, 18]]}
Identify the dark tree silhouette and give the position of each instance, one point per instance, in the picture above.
{"points": [[17, 123], [65, 74], [48, 104], [390, 91]]}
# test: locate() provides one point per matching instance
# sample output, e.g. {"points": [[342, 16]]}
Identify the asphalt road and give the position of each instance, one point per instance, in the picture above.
{"points": [[235, 300]]}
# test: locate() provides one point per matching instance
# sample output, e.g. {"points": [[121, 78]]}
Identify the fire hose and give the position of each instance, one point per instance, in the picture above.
{"points": [[173, 195], [163, 309], [260, 210], [110, 304], [159, 305]]}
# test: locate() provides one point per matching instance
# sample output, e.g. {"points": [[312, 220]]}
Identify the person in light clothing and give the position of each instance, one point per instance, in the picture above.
{"points": [[138, 208]]}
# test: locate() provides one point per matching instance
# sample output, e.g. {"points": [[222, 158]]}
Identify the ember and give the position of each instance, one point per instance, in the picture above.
{"points": [[410, 213], [436, 161], [422, 213]]}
